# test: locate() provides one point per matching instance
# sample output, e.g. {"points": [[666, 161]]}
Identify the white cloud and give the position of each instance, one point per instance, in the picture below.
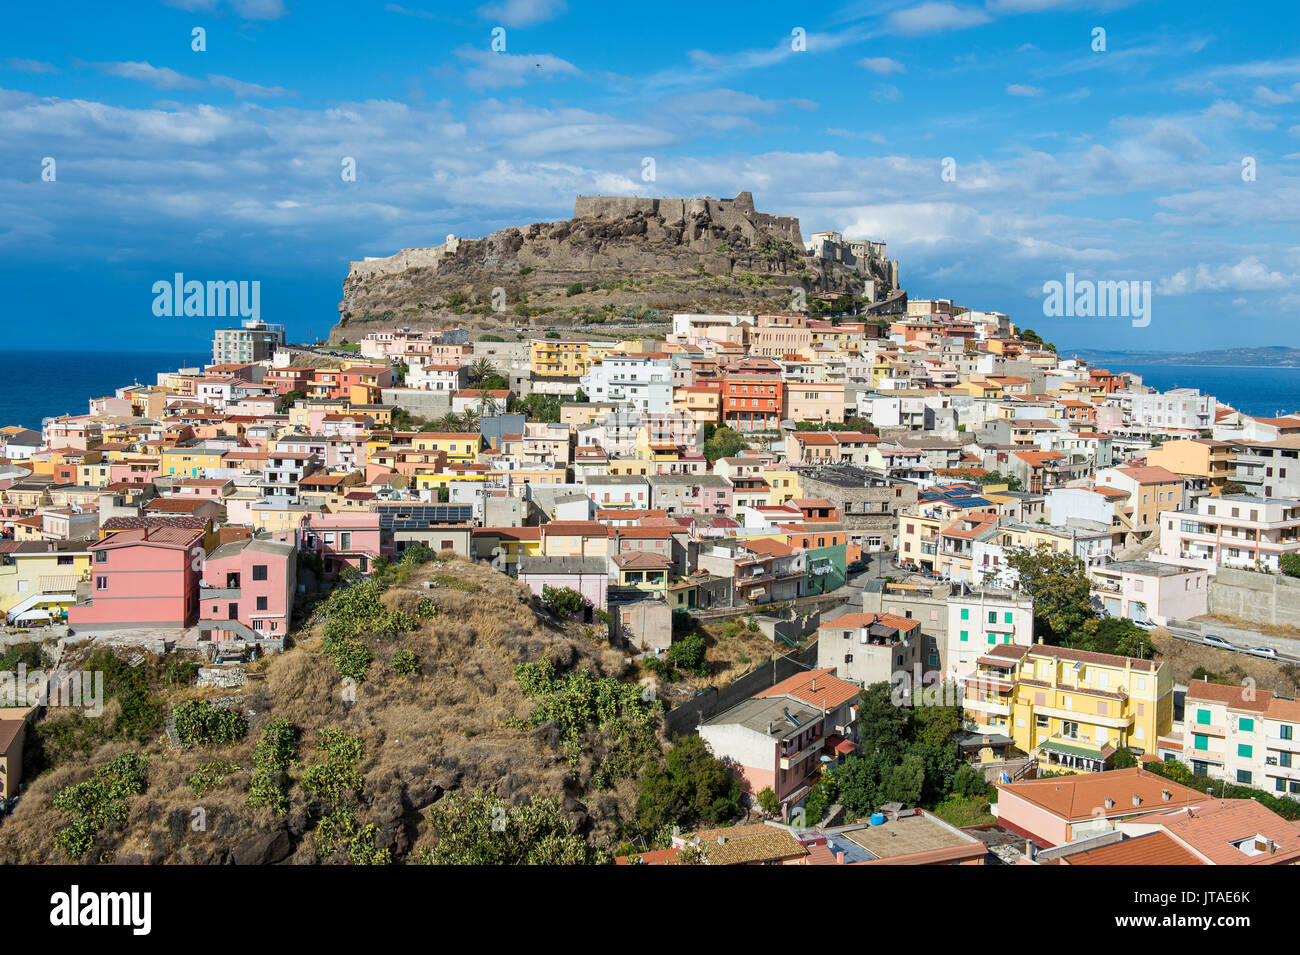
{"points": [[162, 77], [30, 66], [1248, 275], [522, 13], [934, 17], [488, 70], [1019, 89], [246, 9], [882, 65]]}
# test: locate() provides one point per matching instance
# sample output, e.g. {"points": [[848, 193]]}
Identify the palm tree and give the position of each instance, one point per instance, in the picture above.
{"points": [[480, 369]]}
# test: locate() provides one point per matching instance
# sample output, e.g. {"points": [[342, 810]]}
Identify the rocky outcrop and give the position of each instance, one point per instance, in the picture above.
{"points": [[664, 254]]}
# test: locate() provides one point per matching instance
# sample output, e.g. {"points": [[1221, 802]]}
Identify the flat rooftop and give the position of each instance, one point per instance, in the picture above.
{"points": [[906, 835]]}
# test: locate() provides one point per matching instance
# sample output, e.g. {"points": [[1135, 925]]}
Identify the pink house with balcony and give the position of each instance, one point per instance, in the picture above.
{"points": [[247, 590], [143, 577]]}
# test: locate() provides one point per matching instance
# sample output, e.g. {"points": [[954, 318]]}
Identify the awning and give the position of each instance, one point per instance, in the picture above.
{"points": [[34, 614], [846, 747]]}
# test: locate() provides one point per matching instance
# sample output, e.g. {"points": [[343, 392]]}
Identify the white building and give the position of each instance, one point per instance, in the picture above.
{"points": [[1233, 531], [1184, 408], [642, 381]]}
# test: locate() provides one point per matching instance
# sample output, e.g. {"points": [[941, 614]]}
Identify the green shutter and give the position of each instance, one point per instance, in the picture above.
{"points": [[965, 613], [965, 635], [1200, 742], [1243, 750], [1246, 724], [1006, 617], [1203, 717]]}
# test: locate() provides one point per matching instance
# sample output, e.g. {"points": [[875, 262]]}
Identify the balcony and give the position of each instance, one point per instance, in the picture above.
{"points": [[219, 593], [988, 705]]}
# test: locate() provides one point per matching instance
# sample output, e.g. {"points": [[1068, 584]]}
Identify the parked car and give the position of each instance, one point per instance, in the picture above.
{"points": [[857, 566], [1267, 652], [1144, 624], [1216, 641]]}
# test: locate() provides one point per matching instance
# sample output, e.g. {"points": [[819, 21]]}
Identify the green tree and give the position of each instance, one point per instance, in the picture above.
{"points": [[690, 787], [884, 727], [1059, 586], [688, 654], [1290, 564], [768, 802], [563, 602], [906, 781], [723, 443], [1123, 758]]}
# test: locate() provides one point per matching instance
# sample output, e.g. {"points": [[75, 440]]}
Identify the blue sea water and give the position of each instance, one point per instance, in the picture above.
{"points": [[1254, 390], [36, 385]]}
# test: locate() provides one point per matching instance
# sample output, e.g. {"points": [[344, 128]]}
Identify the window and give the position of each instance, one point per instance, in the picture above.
{"points": [[965, 614], [101, 583], [1203, 717], [1246, 724], [1285, 731], [259, 571], [965, 635], [1244, 776], [1200, 742], [101, 556], [1245, 751], [261, 603]]}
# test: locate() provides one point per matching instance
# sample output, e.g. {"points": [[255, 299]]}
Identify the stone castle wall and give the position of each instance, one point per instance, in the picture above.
{"points": [[726, 213]]}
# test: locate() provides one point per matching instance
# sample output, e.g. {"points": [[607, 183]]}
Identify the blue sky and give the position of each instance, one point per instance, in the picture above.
{"points": [[225, 164]]}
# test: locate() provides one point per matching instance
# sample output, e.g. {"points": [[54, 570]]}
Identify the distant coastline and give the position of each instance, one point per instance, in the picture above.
{"points": [[1273, 356]]}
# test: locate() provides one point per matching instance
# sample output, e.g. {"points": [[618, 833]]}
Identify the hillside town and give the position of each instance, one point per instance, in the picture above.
{"points": [[893, 504]]}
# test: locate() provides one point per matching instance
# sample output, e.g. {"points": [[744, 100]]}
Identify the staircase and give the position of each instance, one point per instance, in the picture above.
{"points": [[173, 737]]}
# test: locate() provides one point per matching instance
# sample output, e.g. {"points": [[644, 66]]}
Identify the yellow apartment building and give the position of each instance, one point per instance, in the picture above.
{"points": [[1071, 709], [39, 576]]}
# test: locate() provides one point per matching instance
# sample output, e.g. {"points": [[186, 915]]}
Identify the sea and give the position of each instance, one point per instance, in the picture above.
{"points": [[1263, 391], [35, 385]]}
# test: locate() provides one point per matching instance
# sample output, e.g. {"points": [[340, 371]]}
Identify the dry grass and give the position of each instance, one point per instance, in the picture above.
{"points": [[1268, 629], [423, 734], [1185, 657]]}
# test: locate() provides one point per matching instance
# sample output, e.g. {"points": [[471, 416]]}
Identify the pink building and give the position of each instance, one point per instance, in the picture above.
{"points": [[146, 577], [341, 540], [247, 589], [589, 576]]}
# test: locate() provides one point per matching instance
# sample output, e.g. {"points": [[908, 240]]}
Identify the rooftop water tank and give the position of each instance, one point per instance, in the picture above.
{"points": [[877, 818]]}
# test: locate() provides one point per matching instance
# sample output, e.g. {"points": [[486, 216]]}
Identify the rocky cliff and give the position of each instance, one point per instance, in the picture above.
{"points": [[628, 256]]}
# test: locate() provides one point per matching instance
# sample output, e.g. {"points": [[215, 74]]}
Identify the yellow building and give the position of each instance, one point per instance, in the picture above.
{"points": [[784, 482], [553, 358], [1071, 709], [190, 462], [41, 577], [459, 448], [1212, 463]]}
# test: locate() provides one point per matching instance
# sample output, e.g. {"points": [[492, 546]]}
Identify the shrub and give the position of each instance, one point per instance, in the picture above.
{"points": [[574, 289], [688, 654], [350, 657], [768, 802], [274, 754], [199, 723], [209, 776], [329, 780], [98, 801], [406, 663], [563, 602]]}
